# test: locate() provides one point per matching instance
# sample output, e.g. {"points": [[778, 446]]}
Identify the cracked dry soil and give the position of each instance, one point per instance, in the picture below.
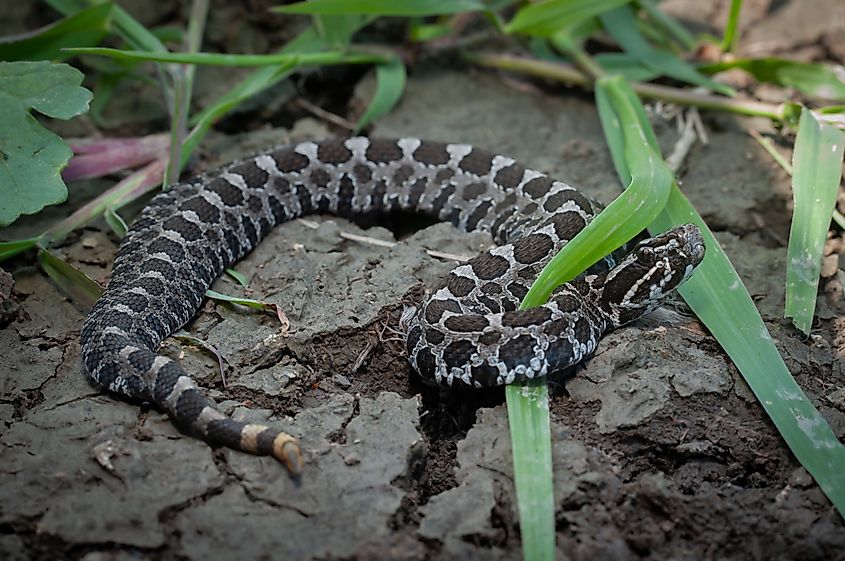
{"points": [[660, 449]]}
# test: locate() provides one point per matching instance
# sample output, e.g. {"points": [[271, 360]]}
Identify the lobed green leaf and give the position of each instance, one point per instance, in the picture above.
{"points": [[31, 157]]}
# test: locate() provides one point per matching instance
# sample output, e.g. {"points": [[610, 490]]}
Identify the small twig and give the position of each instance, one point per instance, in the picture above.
{"points": [[325, 115], [682, 147], [385, 243]]}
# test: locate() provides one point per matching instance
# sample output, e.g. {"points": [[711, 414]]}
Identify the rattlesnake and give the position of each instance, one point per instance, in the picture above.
{"points": [[468, 332]]}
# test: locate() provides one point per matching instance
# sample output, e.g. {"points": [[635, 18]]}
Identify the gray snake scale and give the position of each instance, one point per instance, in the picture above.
{"points": [[468, 332]]}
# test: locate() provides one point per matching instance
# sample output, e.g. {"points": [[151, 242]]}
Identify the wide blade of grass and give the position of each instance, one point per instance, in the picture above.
{"points": [[383, 7], [668, 23], [720, 300], [82, 29], [817, 169], [547, 18], [732, 27], [621, 24], [650, 180], [390, 83], [628, 214], [531, 445]]}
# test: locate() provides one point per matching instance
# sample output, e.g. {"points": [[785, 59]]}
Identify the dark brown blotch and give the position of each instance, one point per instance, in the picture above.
{"points": [[538, 187], [333, 152], [526, 318], [204, 210], [431, 153], [436, 308], [252, 174], [467, 323], [287, 160], [567, 224], [458, 285], [402, 174], [320, 178], [228, 193], [477, 162], [488, 266], [383, 151], [510, 176], [458, 353], [473, 191], [532, 248]]}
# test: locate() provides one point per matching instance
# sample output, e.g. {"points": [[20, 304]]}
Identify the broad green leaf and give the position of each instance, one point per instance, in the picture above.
{"points": [[719, 299], [811, 78], [82, 29], [70, 280], [621, 25], [546, 18], [10, 249], [31, 157], [390, 83], [383, 7], [668, 23], [816, 171]]}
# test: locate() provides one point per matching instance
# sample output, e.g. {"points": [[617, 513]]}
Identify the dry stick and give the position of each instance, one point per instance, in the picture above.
{"points": [[567, 73], [689, 134], [385, 243], [325, 115]]}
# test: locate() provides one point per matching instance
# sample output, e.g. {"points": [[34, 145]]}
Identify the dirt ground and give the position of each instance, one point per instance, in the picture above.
{"points": [[660, 449]]}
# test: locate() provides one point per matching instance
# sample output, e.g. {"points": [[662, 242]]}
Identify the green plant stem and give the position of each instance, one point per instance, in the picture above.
{"points": [[214, 59], [582, 60], [567, 73], [183, 89], [729, 39]]}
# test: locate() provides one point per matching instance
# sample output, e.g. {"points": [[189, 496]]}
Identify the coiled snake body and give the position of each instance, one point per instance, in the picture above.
{"points": [[469, 331]]}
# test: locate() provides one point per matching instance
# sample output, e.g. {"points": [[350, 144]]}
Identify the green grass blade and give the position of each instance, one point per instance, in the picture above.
{"points": [[625, 217], [670, 24], [812, 78], [70, 280], [621, 25], [531, 437], [390, 83], [383, 7], [732, 27], [83, 29], [718, 297], [817, 169], [115, 222], [10, 249], [547, 18], [649, 180], [215, 59]]}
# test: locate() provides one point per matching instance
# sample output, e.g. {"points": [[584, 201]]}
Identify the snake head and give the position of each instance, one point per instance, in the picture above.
{"points": [[652, 270]]}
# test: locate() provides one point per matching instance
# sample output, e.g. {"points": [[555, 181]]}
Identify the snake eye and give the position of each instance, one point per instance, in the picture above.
{"points": [[645, 254]]}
